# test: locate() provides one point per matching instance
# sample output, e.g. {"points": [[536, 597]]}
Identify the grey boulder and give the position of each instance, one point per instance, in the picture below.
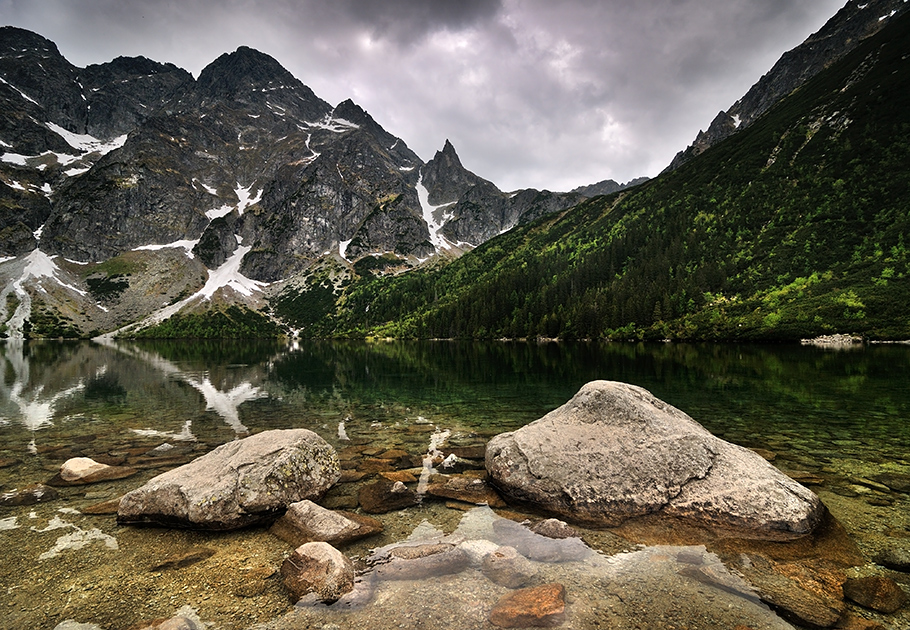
{"points": [[237, 484], [614, 452]]}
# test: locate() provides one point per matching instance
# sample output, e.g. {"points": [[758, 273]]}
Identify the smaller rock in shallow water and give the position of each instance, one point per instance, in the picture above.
{"points": [[318, 568], [237, 484], [417, 562], [306, 522], [79, 471], [894, 558], [385, 496], [467, 489], [539, 606], [79, 467], [554, 528], [29, 495], [508, 568], [879, 593]]}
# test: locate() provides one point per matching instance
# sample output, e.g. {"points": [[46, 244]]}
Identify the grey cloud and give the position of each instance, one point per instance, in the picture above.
{"points": [[408, 21]]}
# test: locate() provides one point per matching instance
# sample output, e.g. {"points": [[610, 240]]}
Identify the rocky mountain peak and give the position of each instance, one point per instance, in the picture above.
{"points": [[351, 111], [449, 151], [19, 40], [242, 71], [446, 179]]}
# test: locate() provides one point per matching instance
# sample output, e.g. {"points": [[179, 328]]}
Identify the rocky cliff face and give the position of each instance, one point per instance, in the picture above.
{"points": [[856, 21]]}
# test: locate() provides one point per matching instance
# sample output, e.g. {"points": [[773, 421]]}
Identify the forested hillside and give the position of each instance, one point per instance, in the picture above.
{"points": [[792, 228]]}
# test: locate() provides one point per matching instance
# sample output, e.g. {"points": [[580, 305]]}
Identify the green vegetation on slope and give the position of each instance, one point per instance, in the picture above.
{"points": [[792, 228], [233, 322]]}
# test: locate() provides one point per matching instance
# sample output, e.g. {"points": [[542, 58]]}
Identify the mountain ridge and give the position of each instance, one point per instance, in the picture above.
{"points": [[853, 23], [244, 170]]}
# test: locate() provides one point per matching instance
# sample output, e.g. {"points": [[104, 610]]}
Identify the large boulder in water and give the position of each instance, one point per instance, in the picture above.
{"points": [[615, 451], [237, 484]]}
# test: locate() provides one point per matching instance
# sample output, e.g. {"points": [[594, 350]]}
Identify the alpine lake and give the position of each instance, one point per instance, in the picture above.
{"points": [[835, 418]]}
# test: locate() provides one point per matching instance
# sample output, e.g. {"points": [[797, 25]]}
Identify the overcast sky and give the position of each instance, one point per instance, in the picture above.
{"points": [[532, 93]]}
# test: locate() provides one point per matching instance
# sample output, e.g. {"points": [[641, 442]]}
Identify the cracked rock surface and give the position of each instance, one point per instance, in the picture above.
{"points": [[614, 452]]}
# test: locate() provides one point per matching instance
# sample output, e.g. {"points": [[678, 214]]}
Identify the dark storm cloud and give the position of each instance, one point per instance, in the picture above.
{"points": [[544, 93]]}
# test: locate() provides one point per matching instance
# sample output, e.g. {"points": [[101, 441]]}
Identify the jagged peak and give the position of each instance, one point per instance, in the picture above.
{"points": [[243, 70], [448, 155], [351, 111]]}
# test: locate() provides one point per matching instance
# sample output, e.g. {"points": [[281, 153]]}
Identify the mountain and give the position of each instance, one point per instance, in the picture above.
{"points": [[473, 209], [856, 21], [793, 227], [130, 192], [607, 187]]}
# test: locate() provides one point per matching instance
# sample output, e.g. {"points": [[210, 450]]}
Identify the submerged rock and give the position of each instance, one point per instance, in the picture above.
{"points": [[237, 484], [418, 562], [506, 567], [879, 593], [615, 451], [895, 481], [790, 597], [895, 558], [539, 547], [554, 528], [385, 496], [29, 495], [185, 619], [539, 606]]}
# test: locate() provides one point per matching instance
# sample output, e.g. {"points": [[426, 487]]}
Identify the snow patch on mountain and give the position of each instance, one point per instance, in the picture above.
{"points": [[335, 125], [23, 94], [216, 213], [186, 244], [39, 265], [228, 275], [434, 216], [246, 197], [86, 143], [343, 248]]}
